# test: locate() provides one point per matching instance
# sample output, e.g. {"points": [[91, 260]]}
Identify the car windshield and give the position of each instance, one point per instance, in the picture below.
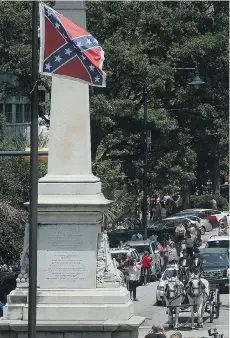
{"points": [[169, 274], [160, 223], [218, 244], [141, 248], [214, 259], [193, 218]]}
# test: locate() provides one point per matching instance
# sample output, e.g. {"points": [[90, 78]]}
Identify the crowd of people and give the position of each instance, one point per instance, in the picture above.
{"points": [[162, 205], [171, 249]]}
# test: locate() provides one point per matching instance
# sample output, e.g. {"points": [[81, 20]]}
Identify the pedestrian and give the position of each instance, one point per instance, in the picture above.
{"points": [[189, 246], [154, 211], [176, 335], [163, 210], [158, 332], [180, 232], [139, 237], [127, 259], [214, 204], [156, 335], [2, 304], [163, 258], [134, 271], [172, 254], [158, 210], [146, 266]]}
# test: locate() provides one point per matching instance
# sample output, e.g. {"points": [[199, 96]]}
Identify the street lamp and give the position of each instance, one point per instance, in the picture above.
{"points": [[147, 137], [196, 80], [145, 183]]}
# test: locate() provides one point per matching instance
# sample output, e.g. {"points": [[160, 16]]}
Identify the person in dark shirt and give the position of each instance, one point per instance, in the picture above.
{"points": [[189, 245]]}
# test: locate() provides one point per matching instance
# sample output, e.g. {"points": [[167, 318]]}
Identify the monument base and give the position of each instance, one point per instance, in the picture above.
{"points": [[73, 329], [98, 304], [83, 313]]}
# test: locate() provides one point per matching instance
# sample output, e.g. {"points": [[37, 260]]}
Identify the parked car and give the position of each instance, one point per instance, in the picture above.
{"points": [[166, 226], [213, 215], [123, 252], [150, 246], [168, 273], [123, 235], [215, 263], [218, 242], [203, 224]]}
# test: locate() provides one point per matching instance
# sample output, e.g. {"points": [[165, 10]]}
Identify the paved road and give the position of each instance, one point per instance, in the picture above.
{"points": [[146, 306]]}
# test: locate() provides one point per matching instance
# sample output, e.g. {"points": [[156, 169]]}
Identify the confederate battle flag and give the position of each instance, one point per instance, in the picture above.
{"points": [[68, 50]]}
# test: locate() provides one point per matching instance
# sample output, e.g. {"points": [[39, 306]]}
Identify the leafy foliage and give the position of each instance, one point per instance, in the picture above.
{"points": [[204, 201], [14, 182], [148, 45], [11, 233], [145, 43]]}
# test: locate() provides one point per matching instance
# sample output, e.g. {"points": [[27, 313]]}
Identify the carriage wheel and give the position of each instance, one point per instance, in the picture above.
{"points": [[211, 312], [217, 303]]}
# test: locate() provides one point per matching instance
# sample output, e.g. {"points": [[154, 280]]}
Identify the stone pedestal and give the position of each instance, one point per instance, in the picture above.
{"points": [[79, 293]]}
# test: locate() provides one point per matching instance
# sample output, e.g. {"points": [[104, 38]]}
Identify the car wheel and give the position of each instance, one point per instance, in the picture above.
{"points": [[202, 230], [158, 302], [153, 278]]}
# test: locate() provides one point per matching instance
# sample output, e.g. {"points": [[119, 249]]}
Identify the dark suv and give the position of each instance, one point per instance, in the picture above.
{"points": [[215, 263]]}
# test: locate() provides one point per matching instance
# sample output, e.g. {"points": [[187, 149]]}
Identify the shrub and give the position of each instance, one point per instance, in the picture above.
{"points": [[204, 201]]}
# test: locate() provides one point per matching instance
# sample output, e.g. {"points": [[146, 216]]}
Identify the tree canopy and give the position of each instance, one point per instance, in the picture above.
{"points": [[150, 42], [146, 43]]}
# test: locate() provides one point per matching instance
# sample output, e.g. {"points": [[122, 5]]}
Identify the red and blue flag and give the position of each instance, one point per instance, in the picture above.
{"points": [[68, 50]]}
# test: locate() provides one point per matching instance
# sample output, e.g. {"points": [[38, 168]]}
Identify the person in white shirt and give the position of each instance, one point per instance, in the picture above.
{"points": [[134, 271]]}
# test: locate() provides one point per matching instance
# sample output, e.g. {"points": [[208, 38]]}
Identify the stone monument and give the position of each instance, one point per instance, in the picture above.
{"points": [[79, 290]]}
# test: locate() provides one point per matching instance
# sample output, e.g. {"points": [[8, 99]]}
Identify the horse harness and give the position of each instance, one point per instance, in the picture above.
{"points": [[177, 291], [191, 288]]}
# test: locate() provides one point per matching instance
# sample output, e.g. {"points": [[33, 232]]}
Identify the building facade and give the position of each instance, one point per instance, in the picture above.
{"points": [[17, 110]]}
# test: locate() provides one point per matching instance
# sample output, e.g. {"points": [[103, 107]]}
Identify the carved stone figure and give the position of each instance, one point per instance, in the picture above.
{"points": [[107, 271]]}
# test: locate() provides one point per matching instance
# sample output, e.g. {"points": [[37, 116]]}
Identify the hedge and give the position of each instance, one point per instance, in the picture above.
{"points": [[204, 201]]}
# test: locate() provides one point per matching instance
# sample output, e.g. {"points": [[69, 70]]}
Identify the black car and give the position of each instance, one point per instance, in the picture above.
{"points": [[125, 235], [167, 226], [215, 263]]}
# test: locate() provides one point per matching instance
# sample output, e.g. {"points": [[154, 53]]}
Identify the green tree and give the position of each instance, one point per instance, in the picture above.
{"points": [[145, 43], [150, 40]]}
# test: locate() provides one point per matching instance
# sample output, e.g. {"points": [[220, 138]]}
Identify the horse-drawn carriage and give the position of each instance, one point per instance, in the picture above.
{"points": [[187, 291]]}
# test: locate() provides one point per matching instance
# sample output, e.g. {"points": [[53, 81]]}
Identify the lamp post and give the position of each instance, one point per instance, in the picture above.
{"points": [[145, 196], [196, 80], [147, 138]]}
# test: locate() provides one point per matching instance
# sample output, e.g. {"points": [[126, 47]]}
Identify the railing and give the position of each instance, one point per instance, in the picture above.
{"points": [[23, 130], [18, 129]]}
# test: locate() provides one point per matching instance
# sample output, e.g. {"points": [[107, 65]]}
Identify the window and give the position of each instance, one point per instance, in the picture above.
{"points": [[42, 95], [170, 273], [1, 108], [19, 113], [218, 244], [8, 112], [142, 248], [214, 259], [26, 112]]}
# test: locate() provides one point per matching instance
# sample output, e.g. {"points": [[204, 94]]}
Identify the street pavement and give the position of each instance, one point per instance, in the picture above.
{"points": [[146, 307]]}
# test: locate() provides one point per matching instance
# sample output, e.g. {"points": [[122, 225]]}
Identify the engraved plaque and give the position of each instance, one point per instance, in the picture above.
{"points": [[67, 256]]}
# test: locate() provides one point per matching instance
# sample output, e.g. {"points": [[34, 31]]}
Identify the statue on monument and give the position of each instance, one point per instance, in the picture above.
{"points": [[107, 271]]}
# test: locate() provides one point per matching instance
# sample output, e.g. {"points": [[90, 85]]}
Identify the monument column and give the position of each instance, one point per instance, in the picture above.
{"points": [[79, 287]]}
